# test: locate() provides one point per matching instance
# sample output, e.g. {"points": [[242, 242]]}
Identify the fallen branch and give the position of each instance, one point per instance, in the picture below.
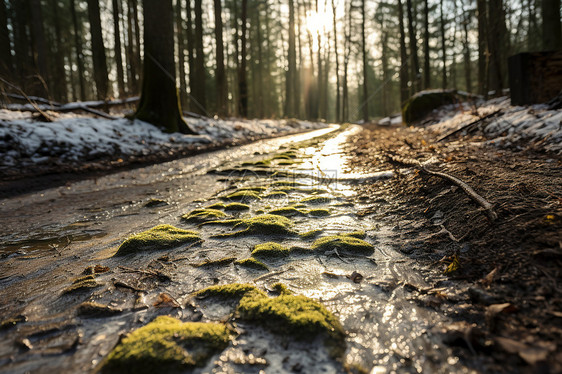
{"points": [[32, 103], [465, 187], [469, 125]]}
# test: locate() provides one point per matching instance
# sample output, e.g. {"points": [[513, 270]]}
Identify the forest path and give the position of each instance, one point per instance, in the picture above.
{"points": [[50, 237]]}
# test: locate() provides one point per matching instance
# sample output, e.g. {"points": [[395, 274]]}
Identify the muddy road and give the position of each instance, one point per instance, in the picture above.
{"points": [[67, 299]]}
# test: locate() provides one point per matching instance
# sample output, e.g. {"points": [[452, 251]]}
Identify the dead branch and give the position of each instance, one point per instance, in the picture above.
{"points": [[465, 187], [31, 102], [469, 125]]}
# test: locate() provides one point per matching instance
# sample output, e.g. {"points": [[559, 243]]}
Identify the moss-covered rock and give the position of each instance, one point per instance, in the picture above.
{"points": [[84, 283], [230, 291], [202, 215], [313, 200], [242, 196], [252, 263], [319, 212], [167, 345], [236, 207], [287, 211], [343, 243], [270, 250], [311, 234], [424, 102], [159, 237], [359, 234], [265, 224], [297, 316]]}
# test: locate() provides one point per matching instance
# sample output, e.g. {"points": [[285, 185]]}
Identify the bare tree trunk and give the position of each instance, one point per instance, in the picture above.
{"points": [[98, 51], [551, 31], [242, 74], [117, 39], [39, 47], [79, 53], [131, 55], [198, 85], [365, 66], [292, 61], [5, 48], [347, 48], [443, 45], [466, 48], [416, 76], [404, 69], [338, 96], [426, 65], [222, 90], [385, 75], [181, 53], [482, 47], [496, 39], [159, 102]]}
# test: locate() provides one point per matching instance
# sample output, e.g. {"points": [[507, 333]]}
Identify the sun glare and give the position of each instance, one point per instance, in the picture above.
{"points": [[320, 22]]}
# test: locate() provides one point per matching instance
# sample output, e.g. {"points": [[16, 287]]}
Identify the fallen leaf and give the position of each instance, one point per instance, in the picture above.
{"points": [[494, 310], [489, 278], [164, 300], [453, 266]]}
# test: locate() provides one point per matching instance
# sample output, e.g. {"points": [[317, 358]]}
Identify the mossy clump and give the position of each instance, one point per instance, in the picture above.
{"points": [[319, 212], [286, 184], [270, 250], [202, 215], [167, 345], [217, 206], [265, 224], [159, 237], [424, 102], [93, 309], [236, 207], [344, 243], [260, 163], [252, 263], [230, 291], [359, 234], [243, 195], [311, 234], [281, 289], [298, 316], [84, 283], [257, 189], [313, 200], [276, 195], [220, 262], [287, 211]]}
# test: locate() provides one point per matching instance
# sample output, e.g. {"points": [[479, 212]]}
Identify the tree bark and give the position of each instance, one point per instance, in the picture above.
{"points": [[59, 85], [98, 51], [242, 74], [39, 48], [416, 76], [181, 53], [551, 31], [292, 62], [482, 47], [404, 69], [117, 39], [426, 64], [132, 61], [159, 102], [443, 45], [221, 84], [79, 53], [365, 66], [5, 48], [466, 47], [198, 87], [338, 95], [496, 45]]}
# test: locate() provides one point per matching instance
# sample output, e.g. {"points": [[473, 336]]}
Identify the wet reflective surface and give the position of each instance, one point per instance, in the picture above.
{"points": [[47, 239]]}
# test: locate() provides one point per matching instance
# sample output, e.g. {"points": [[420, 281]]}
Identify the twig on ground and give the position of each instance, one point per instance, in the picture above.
{"points": [[465, 187]]}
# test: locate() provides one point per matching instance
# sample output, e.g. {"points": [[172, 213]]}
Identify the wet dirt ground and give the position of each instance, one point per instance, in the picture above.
{"points": [[398, 311]]}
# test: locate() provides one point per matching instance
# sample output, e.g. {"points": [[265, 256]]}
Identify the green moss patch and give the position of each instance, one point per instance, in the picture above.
{"points": [[230, 291], [265, 224], [276, 195], [359, 234], [318, 212], [344, 243], [286, 184], [217, 206], [84, 283], [242, 196], [270, 250], [287, 211], [159, 237], [202, 215], [311, 234], [236, 207], [220, 262], [252, 263], [313, 200], [281, 289], [298, 316], [167, 345], [257, 189]]}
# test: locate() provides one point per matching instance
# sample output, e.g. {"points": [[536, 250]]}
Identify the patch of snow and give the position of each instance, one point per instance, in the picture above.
{"points": [[75, 138], [518, 127]]}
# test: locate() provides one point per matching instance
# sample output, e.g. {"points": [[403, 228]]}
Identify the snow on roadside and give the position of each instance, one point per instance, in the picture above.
{"points": [[76, 139], [518, 127]]}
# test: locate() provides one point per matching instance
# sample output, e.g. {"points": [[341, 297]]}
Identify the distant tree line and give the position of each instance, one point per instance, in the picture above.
{"points": [[339, 60]]}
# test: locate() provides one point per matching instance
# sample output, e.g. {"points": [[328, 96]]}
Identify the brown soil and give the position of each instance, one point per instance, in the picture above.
{"points": [[515, 259]]}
